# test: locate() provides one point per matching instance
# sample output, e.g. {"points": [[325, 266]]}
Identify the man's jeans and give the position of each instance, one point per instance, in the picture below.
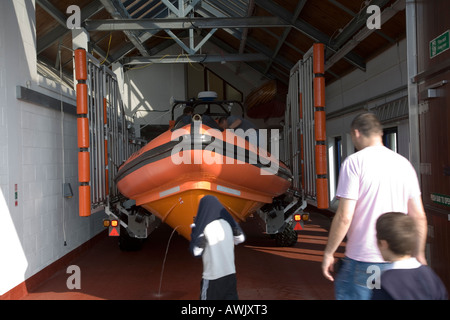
{"points": [[356, 280]]}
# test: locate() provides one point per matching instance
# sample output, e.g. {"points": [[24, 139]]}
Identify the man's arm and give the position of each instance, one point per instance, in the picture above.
{"points": [[235, 124], [339, 227], [417, 212]]}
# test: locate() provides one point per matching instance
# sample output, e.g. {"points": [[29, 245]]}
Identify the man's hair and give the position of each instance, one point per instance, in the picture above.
{"points": [[188, 110], [367, 124], [399, 231], [222, 119]]}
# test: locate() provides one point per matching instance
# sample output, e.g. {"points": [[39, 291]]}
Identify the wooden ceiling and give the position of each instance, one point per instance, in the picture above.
{"points": [[333, 22]]}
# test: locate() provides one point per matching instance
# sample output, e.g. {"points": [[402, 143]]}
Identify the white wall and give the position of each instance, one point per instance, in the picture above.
{"points": [[31, 153], [149, 87], [384, 73], [246, 79]]}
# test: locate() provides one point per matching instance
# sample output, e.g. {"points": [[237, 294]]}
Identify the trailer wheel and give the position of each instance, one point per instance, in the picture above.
{"points": [[287, 238], [128, 243]]}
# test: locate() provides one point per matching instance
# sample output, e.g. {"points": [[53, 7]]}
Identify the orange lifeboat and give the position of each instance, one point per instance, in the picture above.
{"points": [[170, 175]]}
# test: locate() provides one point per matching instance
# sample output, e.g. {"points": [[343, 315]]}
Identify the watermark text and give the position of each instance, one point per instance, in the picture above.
{"points": [[227, 147], [374, 20], [73, 281], [74, 20]]}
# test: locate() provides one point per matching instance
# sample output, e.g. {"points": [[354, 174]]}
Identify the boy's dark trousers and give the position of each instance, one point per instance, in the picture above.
{"points": [[219, 289]]}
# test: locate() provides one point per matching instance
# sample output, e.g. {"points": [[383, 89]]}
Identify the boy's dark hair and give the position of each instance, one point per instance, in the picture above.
{"points": [[399, 231], [367, 124]]}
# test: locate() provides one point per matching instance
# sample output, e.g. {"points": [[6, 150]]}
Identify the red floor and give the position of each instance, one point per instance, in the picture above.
{"points": [[264, 271]]}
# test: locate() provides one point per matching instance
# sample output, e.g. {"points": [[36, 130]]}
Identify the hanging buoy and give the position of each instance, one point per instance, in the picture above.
{"points": [[320, 126], [80, 65], [84, 190]]}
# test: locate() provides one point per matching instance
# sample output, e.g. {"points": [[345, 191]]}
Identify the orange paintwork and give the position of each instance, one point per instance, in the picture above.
{"points": [[84, 172], [80, 64], [319, 92], [320, 126], [83, 132], [172, 192], [319, 58], [82, 98], [84, 201]]}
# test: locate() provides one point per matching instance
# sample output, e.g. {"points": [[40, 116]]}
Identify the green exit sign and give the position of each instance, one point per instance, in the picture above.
{"points": [[440, 44], [441, 199]]}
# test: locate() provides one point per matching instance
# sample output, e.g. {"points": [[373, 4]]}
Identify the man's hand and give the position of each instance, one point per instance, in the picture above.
{"points": [[417, 212], [339, 227], [328, 266]]}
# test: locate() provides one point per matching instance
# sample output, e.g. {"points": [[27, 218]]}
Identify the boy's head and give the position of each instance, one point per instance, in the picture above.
{"points": [[396, 235]]}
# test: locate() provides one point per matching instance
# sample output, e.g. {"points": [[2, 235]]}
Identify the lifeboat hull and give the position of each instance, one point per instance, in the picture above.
{"points": [[170, 175]]}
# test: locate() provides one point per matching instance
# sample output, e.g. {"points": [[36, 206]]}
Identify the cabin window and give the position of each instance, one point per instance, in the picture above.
{"points": [[203, 79], [390, 138], [337, 156], [335, 161]]}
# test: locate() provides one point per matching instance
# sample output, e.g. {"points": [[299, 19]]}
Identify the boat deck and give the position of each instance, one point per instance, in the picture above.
{"points": [[264, 271]]}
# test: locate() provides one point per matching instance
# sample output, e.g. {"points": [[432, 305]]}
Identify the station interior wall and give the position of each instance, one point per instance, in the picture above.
{"points": [[35, 220]]}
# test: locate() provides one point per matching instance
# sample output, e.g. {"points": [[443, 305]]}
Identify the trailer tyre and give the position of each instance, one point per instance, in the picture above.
{"points": [[128, 243], [287, 238]]}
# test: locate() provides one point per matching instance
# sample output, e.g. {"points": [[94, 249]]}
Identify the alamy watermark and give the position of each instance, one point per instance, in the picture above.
{"points": [[374, 280], [74, 280], [374, 20], [232, 150], [74, 20]]}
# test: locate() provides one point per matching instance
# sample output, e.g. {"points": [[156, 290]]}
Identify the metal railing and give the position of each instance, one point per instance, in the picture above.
{"points": [[303, 133], [104, 140]]}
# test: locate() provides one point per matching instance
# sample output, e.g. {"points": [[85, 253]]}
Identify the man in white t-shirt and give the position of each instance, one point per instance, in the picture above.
{"points": [[372, 181]]}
